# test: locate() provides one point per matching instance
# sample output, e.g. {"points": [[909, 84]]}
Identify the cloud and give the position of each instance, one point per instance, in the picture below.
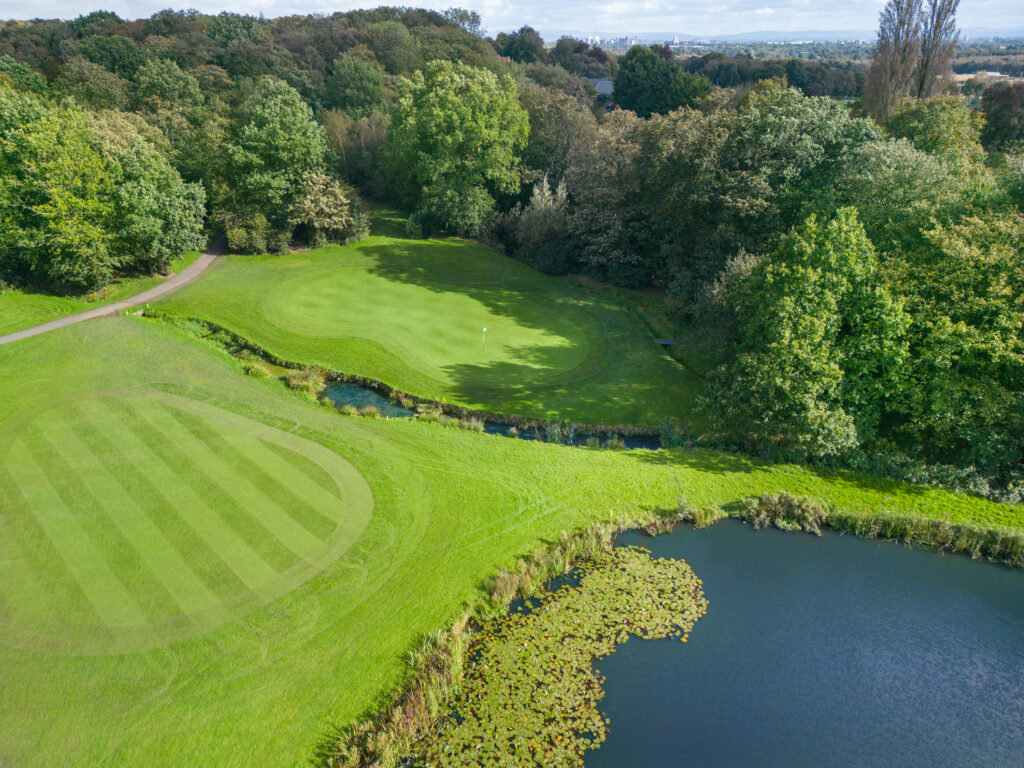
{"points": [[578, 16]]}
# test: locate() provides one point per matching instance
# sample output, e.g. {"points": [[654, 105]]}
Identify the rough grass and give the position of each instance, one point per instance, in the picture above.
{"points": [[258, 667], [411, 313], [20, 310]]}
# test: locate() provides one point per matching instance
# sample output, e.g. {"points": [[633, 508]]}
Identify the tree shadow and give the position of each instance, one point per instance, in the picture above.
{"points": [[623, 368]]}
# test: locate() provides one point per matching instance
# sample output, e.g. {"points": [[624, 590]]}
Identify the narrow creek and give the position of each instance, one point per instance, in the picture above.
{"points": [[359, 396], [830, 651]]}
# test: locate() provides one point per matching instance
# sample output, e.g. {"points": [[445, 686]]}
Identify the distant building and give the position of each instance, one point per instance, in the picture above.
{"points": [[605, 88]]}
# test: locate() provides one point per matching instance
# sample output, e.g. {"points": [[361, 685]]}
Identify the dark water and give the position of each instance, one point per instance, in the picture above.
{"points": [[360, 396], [355, 395], [830, 651]]}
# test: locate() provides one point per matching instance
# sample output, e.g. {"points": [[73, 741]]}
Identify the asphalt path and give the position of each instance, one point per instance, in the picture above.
{"points": [[168, 286]]}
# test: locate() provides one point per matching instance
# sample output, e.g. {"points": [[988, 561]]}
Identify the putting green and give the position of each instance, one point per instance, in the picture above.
{"points": [[145, 518], [412, 313]]}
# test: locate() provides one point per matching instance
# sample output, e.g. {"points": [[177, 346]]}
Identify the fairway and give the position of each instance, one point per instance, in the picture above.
{"points": [[138, 520], [202, 568], [412, 313]]}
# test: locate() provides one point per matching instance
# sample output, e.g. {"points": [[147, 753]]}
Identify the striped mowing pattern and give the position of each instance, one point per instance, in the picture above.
{"points": [[135, 521]]}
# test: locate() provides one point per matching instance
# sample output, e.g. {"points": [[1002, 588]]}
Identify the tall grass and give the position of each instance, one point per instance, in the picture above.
{"points": [[788, 512]]}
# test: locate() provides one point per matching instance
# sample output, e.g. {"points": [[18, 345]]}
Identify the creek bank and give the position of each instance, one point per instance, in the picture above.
{"points": [[343, 389]]}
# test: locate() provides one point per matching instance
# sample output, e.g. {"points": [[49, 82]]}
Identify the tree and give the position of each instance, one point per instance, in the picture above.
{"points": [[938, 41], [92, 85], [543, 221], [894, 62], [20, 76], [273, 145], [116, 54], [604, 186], [55, 193], [965, 290], [354, 86], [524, 46], [394, 47], [156, 217], [558, 124], [649, 83], [327, 211], [916, 40], [942, 126], [1003, 105], [160, 83], [455, 139], [822, 345]]}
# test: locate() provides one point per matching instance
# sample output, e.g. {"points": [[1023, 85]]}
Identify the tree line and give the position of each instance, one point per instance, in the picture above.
{"points": [[854, 273]]}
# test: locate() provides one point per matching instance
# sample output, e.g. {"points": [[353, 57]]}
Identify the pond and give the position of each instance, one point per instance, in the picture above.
{"points": [[830, 651]]}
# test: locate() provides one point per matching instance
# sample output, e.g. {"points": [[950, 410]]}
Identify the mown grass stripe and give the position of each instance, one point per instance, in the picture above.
{"points": [[195, 504], [233, 473], [156, 553], [312, 471], [122, 554], [166, 513], [290, 490], [33, 576], [199, 465], [103, 589]]}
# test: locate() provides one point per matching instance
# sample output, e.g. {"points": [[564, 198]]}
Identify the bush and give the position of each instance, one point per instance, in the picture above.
{"points": [[309, 380]]}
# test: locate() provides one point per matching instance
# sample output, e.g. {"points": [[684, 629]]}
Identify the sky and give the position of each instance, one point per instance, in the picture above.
{"points": [[581, 16]]}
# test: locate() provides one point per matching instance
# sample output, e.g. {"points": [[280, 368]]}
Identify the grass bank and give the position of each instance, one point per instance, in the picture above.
{"points": [[20, 310], [203, 567]]}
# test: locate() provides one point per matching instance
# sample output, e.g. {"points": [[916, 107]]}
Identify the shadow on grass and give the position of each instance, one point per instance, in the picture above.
{"points": [[623, 371], [722, 462]]}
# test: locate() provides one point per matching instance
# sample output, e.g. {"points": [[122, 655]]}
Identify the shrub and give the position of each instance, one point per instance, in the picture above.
{"points": [[309, 380], [257, 368]]}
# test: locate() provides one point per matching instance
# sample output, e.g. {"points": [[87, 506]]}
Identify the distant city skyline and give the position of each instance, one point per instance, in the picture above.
{"points": [[619, 17]]}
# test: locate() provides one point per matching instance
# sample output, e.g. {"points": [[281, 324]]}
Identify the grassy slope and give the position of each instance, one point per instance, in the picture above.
{"points": [[411, 313], [23, 310], [448, 508]]}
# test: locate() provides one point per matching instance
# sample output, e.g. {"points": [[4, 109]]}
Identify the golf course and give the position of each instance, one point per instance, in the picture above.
{"points": [[201, 567], [412, 313]]}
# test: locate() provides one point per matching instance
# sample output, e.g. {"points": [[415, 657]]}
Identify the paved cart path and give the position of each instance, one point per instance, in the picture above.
{"points": [[170, 285]]}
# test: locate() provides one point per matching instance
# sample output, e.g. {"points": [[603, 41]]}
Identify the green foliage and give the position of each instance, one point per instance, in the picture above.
{"points": [[965, 291], [55, 198], [454, 143], [524, 46], [118, 54], [156, 217], [543, 220], [162, 82], [1003, 106], [941, 125], [822, 345], [92, 85], [327, 211], [273, 145], [81, 197], [649, 83], [20, 76], [354, 86]]}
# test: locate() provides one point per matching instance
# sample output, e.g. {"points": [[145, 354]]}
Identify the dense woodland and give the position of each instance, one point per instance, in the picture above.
{"points": [[855, 273]]}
